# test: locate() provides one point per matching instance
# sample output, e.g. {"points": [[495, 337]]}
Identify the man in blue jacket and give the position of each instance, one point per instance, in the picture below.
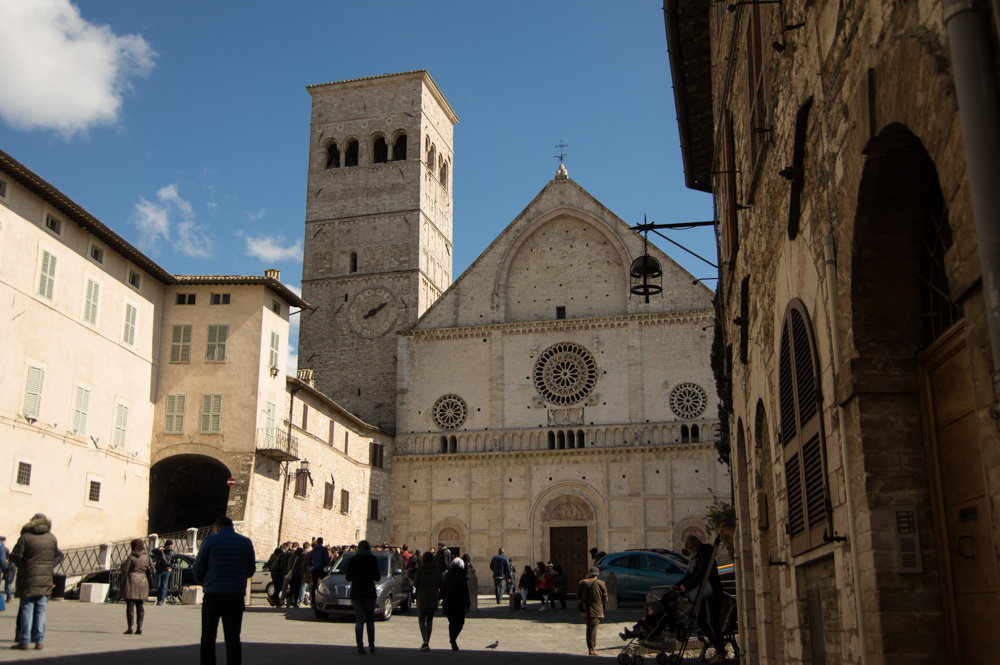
{"points": [[500, 565], [225, 562]]}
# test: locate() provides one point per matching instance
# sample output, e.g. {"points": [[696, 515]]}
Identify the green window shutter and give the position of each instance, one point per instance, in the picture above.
{"points": [[90, 307], [211, 414], [180, 344], [173, 420], [121, 422], [47, 279], [128, 336], [33, 393], [80, 404], [275, 340], [223, 338], [269, 423], [216, 349]]}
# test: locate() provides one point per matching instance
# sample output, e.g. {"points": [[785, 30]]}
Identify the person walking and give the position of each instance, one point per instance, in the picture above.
{"points": [[709, 614], [135, 585], [455, 599], [363, 573], [442, 558], [319, 559], [224, 564], [277, 574], [427, 581], [35, 554], [500, 566], [164, 566], [593, 595], [560, 586], [295, 577]]}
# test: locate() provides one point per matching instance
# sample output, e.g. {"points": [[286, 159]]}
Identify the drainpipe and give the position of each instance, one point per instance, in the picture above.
{"points": [[975, 78], [830, 263], [284, 487]]}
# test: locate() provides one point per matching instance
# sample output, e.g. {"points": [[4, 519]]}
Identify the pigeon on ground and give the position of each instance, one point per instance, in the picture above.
{"points": [[493, 646]]}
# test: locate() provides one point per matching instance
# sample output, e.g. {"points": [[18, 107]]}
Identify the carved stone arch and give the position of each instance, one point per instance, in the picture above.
{"points": [[453, 532], [558, 506], [696, 525]]}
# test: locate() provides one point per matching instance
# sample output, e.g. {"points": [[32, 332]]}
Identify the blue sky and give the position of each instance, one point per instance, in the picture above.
{"points": [[184, 125]]}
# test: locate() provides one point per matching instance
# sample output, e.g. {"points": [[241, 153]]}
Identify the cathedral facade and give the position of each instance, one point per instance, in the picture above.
{"points": [[535, 404]]}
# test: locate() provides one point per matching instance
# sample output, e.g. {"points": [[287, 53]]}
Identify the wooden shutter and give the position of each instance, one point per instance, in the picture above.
{"points": [[755, 83], [180, 344], [80, 403], [801, 431], [217, 336], [305, 417], [274, 350], [345, 501], [90, 306], [269, 420], [211, 414], [727, 196], [33, 393], [128, 336], [46, 280], [173, 420], [328, 495], [121, 423]]}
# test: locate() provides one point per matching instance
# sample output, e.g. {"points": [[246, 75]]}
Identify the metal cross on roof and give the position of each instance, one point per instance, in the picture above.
{"points": [[562, 152]]}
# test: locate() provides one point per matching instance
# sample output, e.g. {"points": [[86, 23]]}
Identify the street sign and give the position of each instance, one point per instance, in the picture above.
{"points": [[231, 482]]}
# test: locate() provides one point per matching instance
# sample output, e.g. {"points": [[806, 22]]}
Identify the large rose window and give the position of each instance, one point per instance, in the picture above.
{"points": [[565, 373]]}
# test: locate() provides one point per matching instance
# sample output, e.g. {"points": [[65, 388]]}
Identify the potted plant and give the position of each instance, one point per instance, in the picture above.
{"points": [[722, 517]]}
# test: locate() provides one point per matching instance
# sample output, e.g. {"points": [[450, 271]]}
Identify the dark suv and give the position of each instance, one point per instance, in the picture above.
{"points": [[333, 596]]}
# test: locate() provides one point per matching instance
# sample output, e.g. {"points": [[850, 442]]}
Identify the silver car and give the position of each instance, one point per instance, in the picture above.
{"points": [[333, 596]]}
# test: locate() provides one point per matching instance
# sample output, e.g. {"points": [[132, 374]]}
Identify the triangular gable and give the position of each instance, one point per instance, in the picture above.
{"points": [[478, 296]]}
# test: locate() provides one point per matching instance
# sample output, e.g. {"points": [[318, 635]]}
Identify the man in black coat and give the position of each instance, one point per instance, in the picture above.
{"points": [[363, 573]]}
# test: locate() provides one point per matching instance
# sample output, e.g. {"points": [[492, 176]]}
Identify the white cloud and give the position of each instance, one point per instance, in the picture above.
{"points": [[256, 215], [70, 75], [270, 249], [155, 224]]}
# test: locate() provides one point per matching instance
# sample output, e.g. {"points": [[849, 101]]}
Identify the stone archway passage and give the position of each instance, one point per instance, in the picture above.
{"points": [[186, 491]]}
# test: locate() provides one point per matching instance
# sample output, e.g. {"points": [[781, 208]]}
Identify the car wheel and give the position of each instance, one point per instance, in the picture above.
{"points": [[321, 615], [386, 609], [269, 589], [405, 606]]}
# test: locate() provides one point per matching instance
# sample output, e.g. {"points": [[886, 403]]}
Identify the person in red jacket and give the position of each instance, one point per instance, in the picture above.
{"points": [[543, 584]]}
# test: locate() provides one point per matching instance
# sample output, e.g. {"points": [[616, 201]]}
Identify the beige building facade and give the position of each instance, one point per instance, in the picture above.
{"points": [[853, 164], [536, 406], [82, 330]]}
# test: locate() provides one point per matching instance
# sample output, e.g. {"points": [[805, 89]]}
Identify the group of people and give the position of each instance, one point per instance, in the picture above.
{"points": [[440, 577], [546, 582]]}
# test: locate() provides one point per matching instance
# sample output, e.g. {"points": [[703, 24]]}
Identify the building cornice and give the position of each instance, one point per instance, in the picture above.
{"points": [[575, 453]]}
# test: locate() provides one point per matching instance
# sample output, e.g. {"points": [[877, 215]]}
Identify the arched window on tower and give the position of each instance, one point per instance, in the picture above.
{"points": [[332, 156], [351, 154], [431, 158], [380, 151], [399, 148], [444, 174], [354, 262]]}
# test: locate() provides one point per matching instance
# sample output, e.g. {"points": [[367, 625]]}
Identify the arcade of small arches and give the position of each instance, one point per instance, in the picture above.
{"points": [[563, 438], [436, 162], [382, 149]]}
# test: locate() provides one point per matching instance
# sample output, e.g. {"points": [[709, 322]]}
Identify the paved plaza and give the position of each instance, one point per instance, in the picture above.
{"points": [[92, 633]]}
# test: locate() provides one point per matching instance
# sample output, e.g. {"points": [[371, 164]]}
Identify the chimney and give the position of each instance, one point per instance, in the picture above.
{"points": [[306, 376], [273, 273]]}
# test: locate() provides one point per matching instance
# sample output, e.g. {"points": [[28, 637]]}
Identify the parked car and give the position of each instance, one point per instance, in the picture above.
{"points": [[667, 553], [261, 577], [638, 571], [333, 596]]}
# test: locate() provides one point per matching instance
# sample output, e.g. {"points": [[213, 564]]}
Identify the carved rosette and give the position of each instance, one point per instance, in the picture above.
{"points": [[565, 373], [688, 400], [450, 411]]}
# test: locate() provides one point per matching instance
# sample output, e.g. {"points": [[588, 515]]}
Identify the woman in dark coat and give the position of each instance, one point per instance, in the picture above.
{"points": [[455, 599], [135, 587], [427, 582], [526, 584], [295, 583]]}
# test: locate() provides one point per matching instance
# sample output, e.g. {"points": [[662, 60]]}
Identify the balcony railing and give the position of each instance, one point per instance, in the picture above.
{"points": [[276, 444]]}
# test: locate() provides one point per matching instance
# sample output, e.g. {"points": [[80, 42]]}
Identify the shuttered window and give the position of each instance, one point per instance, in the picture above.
{"points": [[301, 484], [180, 344], [33, 393], [128, 334], [90, 302], [373, 509], [173, 418], [273, 360], [755, 83], [47, 278], [345, 501], [328, 496], [121, 423], [81, 401], [269, 419], [217, 337], [305, 417], [376, 454], [801, 431], [726, 200], [211, 414]]}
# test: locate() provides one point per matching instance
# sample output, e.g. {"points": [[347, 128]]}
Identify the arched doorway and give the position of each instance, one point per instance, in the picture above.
{"points": [[568, 526], [913, 332], [186, 491]]}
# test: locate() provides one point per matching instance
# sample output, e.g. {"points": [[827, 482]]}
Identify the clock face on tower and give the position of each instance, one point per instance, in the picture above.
{"points": [[372, 312]]}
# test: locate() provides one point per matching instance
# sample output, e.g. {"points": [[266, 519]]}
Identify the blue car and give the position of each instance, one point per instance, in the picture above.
{"points": [[637, 572]]}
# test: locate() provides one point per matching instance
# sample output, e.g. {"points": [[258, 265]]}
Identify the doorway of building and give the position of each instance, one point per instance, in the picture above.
{"points": [[568, 548], [186, 491]]}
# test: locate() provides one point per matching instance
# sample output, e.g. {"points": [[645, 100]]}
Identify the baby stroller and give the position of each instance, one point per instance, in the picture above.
{"points": [[656, 635]]}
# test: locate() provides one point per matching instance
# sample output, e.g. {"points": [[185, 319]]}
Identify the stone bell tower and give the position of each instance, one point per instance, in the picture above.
{"points": [[378, 231]]}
